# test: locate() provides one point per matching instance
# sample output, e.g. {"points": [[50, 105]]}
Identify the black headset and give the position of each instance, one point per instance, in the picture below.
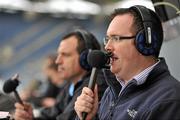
{"points": [[146, 40], [87, 38]]}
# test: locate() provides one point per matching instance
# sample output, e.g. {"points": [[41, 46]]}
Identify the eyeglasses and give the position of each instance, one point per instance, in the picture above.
{"points": [[116, 38]]}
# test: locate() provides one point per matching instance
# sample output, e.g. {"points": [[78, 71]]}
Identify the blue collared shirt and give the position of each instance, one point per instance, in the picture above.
{"points": [[72, 88], [139, 78]]}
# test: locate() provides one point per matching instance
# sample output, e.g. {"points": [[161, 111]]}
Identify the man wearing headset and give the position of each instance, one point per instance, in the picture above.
{"points": [[73, 67], [145, 90]]}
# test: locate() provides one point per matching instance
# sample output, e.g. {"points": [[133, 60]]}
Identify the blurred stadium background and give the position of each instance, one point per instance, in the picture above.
{"points": [[31, 29]]}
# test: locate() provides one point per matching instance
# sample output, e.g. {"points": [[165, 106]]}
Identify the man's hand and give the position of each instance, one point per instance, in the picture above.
{"points": [[87, 102], [23, 112]]}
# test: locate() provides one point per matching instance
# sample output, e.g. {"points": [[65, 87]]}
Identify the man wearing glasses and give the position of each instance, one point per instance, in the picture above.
{"points": [[146, 90]]}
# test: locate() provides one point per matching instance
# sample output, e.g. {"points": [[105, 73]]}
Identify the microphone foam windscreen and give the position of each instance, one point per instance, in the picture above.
{"points": [[97, 58], [10, 85]]}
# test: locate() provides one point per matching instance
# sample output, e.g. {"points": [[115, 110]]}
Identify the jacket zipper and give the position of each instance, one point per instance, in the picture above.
{"points": [[116, 100]]}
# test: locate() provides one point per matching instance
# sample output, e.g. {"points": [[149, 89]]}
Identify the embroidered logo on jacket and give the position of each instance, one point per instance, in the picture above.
{"points": [[131, 113]]}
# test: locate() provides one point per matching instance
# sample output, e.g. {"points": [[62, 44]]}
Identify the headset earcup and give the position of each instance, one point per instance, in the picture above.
{"points": [[83, 60], [142, 46]]}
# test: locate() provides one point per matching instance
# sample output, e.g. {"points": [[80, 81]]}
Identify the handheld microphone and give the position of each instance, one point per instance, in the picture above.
{"points": [[10, 86], [97, 60]]}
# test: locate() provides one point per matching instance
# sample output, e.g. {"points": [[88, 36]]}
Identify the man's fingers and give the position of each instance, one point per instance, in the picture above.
{"points": [[86, 98], [21, 114], [87, 91], [84, 104], [19, 106], [84, 109]]}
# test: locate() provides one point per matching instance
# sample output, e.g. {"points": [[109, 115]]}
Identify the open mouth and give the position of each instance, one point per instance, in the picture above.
{"points": [[60, 68], [113, 59]]}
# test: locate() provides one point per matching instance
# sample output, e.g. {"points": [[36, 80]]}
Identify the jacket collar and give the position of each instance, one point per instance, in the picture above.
{"points": [[159, 70]]}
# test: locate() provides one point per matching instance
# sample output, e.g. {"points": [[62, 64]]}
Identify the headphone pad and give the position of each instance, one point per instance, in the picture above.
{"points": [[83, 60], [143, 47]]}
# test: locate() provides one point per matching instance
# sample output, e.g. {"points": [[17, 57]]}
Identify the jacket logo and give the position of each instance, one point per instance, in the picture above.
{"points": [[132, 113]]}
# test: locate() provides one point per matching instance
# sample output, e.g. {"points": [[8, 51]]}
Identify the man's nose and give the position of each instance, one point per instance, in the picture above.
{"points": [[108, 47], [59, 60]]}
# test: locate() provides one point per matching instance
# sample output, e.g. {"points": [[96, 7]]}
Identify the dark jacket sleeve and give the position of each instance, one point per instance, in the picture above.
{"points": [[68, 112], [166, 110], [64, 109], [58, 108]]}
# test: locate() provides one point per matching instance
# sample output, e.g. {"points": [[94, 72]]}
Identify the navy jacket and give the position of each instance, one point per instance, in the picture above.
{"points": [[157, 99]]}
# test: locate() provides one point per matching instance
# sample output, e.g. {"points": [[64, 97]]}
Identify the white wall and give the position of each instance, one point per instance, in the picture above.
{"points": [[171, 48]]}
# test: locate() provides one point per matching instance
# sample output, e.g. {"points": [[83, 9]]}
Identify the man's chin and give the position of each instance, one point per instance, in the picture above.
{"points": [[113, 70]]}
